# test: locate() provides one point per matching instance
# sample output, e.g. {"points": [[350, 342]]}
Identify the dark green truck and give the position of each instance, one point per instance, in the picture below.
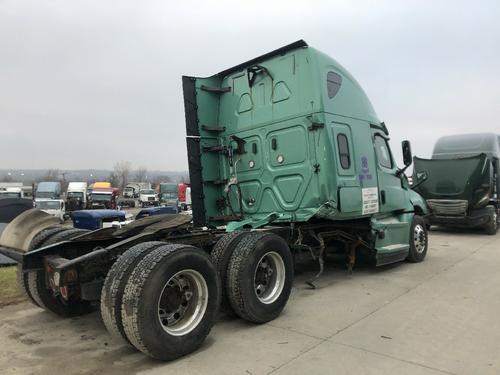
{"points": [[463, 182]]}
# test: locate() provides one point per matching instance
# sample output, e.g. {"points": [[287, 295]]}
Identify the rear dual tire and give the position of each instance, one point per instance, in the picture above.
{"points": [[259, 276], [221, 255], [114, 285], [36, 281], [169, 296]]}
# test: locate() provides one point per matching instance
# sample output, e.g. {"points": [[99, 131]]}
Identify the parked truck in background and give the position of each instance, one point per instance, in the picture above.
{"points": [[132, 189], [129, 192], [286, 157], [27, 191], [169, 194], [48, 199], [184, 195], [148, 197], [103, 198], [48, 190], [463, 181], [15, 190], [100, 184], [11, 192], [76, 196], [54, 207]]}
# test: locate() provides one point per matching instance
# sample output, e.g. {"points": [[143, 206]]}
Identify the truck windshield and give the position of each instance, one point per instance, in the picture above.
{"points": [[101, 197], [75, 194], [169, 195], [48, 205], [9, 194], [148, 192], [45, 194]]}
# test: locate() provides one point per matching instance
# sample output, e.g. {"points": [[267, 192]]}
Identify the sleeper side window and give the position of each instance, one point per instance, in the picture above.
{"points": [[333, 83], [344, 155], [383, 152]]}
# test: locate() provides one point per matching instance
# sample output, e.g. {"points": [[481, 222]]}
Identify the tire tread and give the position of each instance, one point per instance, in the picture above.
{"points": [[114, 284], [133, 290], [221, 255], [234, 289]]}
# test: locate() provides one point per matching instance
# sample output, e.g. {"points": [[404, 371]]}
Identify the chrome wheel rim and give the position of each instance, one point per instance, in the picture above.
{"points": [[419, 238], [183, 302], [269, 277]]}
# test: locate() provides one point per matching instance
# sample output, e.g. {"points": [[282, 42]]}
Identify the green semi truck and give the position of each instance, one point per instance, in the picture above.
{"points": [[286, 156], [463, 183], [169, 195]]}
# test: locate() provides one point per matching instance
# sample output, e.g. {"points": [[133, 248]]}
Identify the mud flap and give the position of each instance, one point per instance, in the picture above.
{"points": [[20, 231]]}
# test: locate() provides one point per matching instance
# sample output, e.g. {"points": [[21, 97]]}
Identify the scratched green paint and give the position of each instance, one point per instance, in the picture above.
{"points": [[301, 176]]}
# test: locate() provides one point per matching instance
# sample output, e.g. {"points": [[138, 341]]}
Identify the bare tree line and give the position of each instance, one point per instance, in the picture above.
{"points": [[122, 173]]}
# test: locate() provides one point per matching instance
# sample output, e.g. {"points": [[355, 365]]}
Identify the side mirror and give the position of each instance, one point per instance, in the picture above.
{"points": [[407, 156]]}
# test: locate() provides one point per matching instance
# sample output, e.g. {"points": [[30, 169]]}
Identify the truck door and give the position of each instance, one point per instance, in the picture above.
{"points": [[349, 188], [391, 192]]}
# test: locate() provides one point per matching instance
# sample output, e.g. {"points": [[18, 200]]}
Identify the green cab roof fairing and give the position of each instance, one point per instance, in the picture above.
{"points": [[351, 100]]}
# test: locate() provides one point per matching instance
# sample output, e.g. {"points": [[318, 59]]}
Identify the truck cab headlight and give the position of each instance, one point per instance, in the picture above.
{"points": [[484, 199]]}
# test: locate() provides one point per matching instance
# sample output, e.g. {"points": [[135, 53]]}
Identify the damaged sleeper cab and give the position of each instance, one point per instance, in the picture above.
{"points": [[286, 155]]}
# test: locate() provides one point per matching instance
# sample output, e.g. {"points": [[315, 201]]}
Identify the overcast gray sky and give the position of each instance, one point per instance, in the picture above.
{"points": [[84, 84]]}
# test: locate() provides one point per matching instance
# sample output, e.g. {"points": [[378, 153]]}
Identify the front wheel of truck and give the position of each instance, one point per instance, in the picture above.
{"points": [[170, 301], [259, 277], [419, 240], [492, 227]]}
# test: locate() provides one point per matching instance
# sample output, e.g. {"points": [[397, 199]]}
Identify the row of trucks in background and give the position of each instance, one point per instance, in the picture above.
{"points": [[138, 194], [101, 195], [168, 194]]}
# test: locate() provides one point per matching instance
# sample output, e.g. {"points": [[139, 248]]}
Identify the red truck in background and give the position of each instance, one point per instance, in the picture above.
{"points": [[184, 194], [104, 198]]}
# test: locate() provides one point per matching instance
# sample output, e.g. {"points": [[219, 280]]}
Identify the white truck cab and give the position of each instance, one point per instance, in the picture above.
{"points": [[54, 207], [76, 196], [11, 192], [148, 197]]}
